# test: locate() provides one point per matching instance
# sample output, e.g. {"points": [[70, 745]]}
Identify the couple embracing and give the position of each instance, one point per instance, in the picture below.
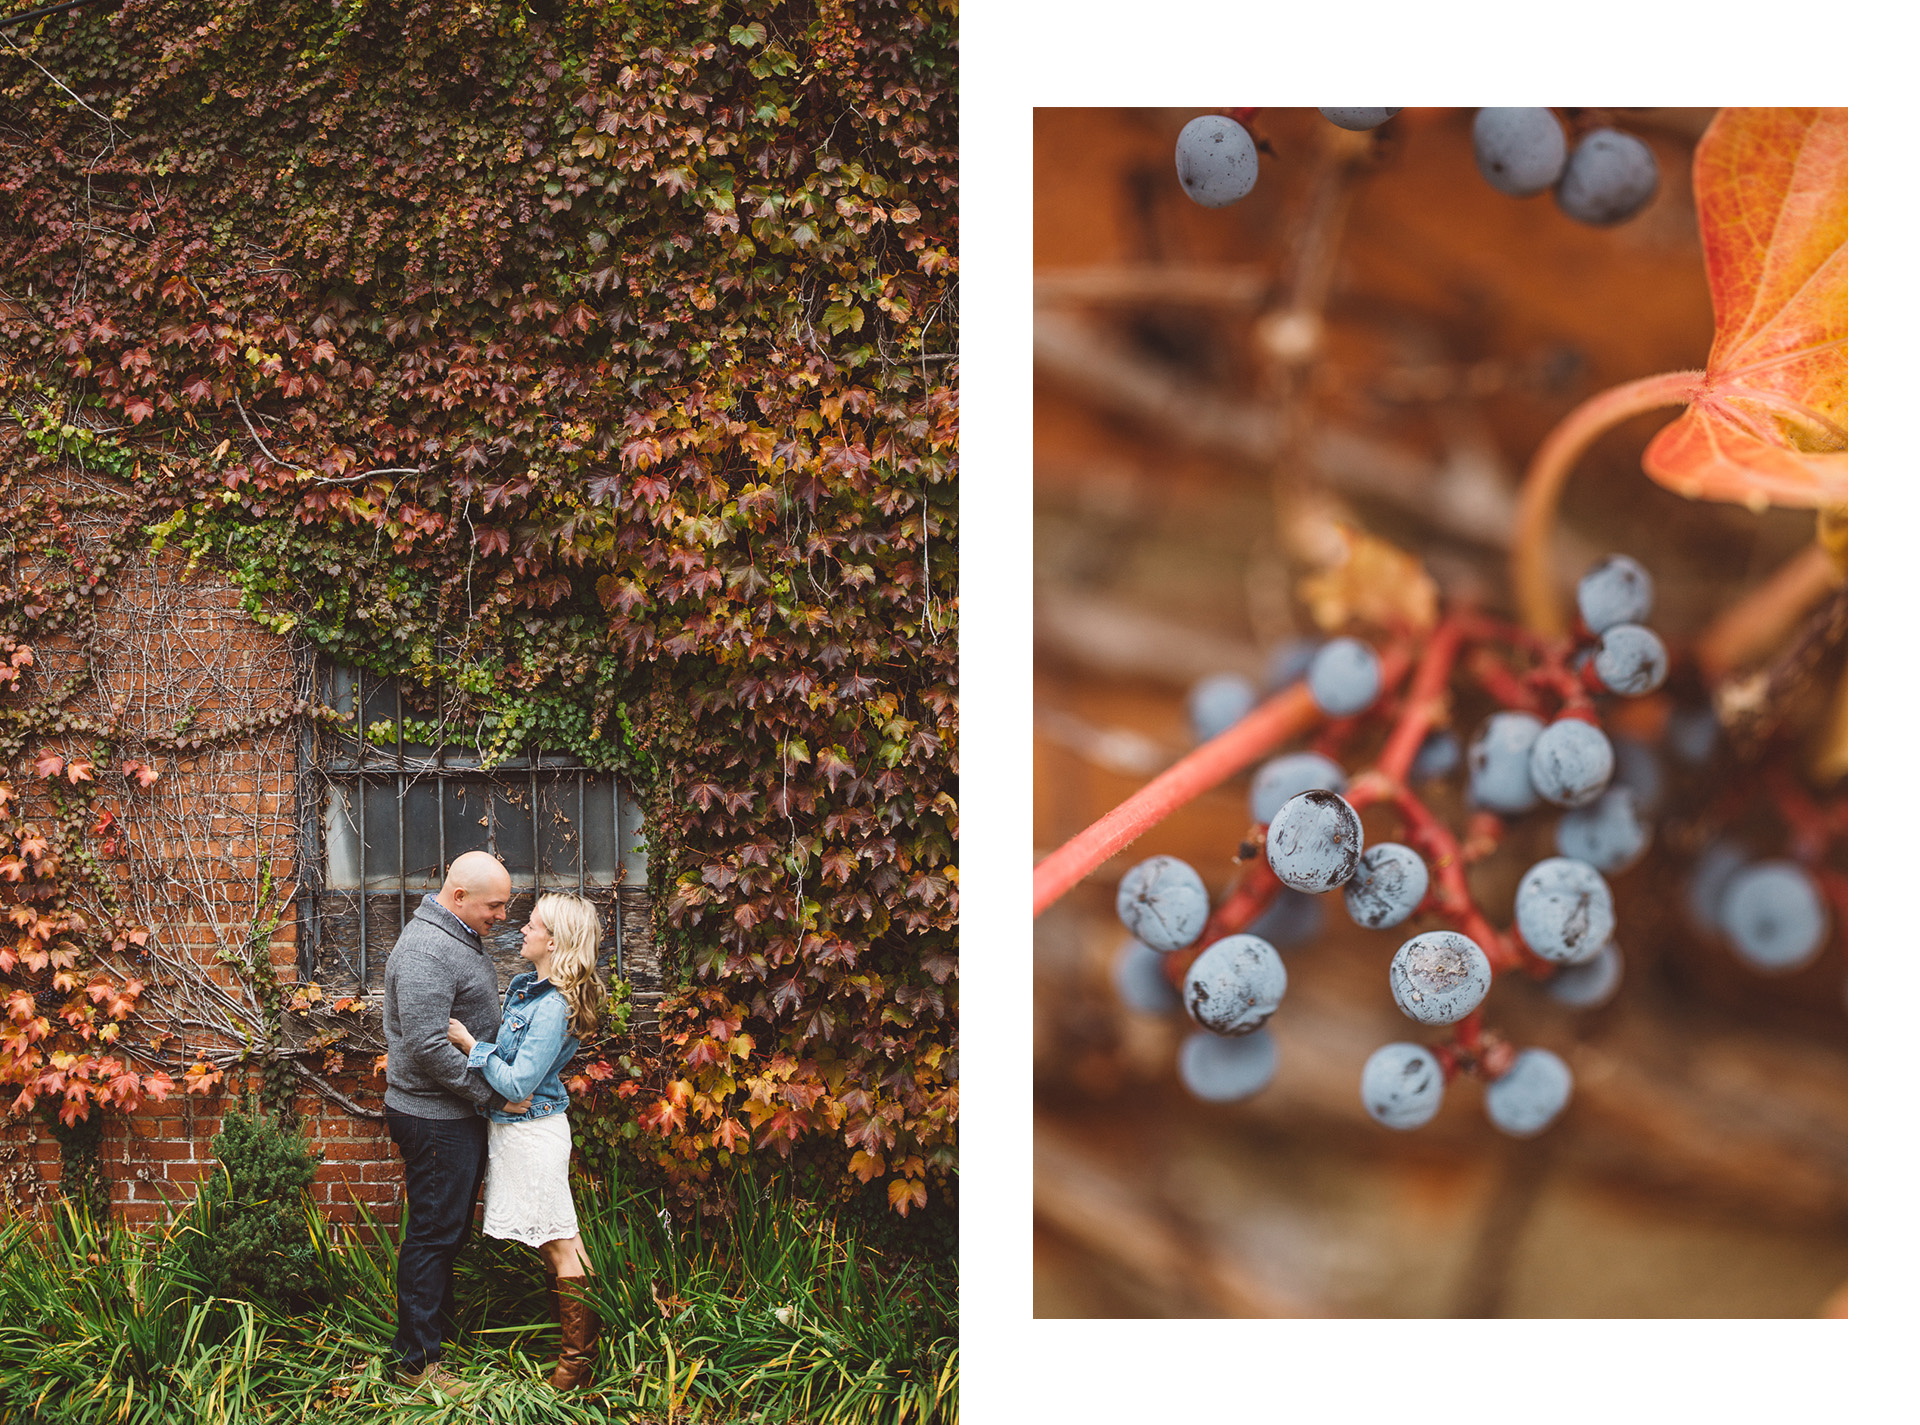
{"points": [[473, 1088]]}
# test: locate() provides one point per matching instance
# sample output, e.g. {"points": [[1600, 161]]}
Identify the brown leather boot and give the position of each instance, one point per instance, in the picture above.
{"points": [[579, 1329]]}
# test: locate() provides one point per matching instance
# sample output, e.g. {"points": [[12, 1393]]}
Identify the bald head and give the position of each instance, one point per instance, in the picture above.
{"points": [[476, 890]]}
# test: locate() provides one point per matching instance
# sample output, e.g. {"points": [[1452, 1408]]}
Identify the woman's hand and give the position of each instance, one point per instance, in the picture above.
{"points": [[458, 1036]]}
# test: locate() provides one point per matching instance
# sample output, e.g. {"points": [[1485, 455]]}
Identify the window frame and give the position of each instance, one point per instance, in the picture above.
{"points": [[332, 760]]}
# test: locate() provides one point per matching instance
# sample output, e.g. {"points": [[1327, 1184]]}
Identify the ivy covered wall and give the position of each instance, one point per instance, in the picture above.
{"points": [[592, 364]]}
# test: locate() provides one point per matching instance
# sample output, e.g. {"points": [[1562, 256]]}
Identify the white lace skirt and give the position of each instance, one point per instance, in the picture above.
{"points": [[528, 1199]]}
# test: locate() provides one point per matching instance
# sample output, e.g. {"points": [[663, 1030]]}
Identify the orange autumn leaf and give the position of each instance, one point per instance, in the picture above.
{"points": [[1768, 423], [904, 1194]]}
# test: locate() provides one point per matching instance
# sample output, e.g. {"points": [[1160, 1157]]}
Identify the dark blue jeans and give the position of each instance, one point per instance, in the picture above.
{"points": [[445, 1158]]}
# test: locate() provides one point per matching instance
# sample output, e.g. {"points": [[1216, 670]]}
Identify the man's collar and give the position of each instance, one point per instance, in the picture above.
{"points": [[431, 908]]}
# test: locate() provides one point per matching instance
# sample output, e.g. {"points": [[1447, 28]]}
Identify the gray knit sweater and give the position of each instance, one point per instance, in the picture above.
{"points": [[437, 969]]}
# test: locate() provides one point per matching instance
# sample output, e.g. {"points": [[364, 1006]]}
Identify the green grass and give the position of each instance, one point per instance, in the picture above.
{"points": [[778, 1315]]}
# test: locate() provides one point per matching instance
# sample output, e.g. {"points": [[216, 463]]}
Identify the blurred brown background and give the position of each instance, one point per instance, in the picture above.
{"points": [[1189, 440]]}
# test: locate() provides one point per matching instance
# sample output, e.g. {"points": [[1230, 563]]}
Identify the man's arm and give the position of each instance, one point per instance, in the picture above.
{"points": [[424, 1002]]}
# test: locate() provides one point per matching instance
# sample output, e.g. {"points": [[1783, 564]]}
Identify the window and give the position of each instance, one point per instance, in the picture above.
{"points": [[384, 816]]}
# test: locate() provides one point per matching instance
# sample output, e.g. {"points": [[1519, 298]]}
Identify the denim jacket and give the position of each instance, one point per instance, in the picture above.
{"points": [[532, 1048]]}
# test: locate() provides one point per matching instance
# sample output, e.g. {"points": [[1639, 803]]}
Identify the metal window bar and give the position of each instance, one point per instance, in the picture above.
{"points": [[360, 839], [619, 881], [400, 794]]}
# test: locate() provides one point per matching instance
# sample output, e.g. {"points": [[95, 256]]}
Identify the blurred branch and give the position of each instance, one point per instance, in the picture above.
{"points": [[1090, 362], [1765, 616], [1116, 749], [1135, 284], [1463, 496], [1107, 1215], [1106, 636]]}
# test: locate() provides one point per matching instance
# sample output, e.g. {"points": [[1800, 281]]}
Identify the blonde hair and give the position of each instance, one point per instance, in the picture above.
{"points": [[574, 966]]}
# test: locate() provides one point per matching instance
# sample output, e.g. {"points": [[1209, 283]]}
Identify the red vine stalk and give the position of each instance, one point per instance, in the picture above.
{"points": [[1533, 584], [1285, 715]]}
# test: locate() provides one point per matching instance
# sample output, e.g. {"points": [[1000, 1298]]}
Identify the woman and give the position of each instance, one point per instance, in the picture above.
{"points": [[547, 1011]]}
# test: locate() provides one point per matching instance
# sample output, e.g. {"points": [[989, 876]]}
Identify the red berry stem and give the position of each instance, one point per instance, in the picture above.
{"points": [[1501, 683], [1448, 892], [1279, 719]]}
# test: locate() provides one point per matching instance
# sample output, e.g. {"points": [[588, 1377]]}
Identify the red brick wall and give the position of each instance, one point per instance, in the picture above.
{"points": [[155, 1158], [177, 653]]}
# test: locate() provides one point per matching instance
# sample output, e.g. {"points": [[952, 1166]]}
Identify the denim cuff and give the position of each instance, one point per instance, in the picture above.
{"points": [[478, 1058]]}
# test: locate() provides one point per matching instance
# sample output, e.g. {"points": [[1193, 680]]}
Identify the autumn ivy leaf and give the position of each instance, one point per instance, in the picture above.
{"points": [[140, 772], [48, 764], [79, 771], [903, 1194], [1768, 423]]}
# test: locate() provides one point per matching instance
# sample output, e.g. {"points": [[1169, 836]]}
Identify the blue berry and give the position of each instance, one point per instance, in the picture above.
{"points": [[1314, 841], [1388, 886], [1358, 119], [1439, 754], [1291, 919], [1216, 161], [1591, 983], [1707, 886], [1610, 835], [1235, 985], [1498, 776], [1139, 978], [1630, 660], [1774, 915], [1563, 910], [1531, 1094], [1439, 977], [1402, 1085], [1520, 151], [1164, 902], [1344, 677], [1616, 590], [1283, 778], [1216, 703], [1610, 177], [1223, 1070], [1570, 762], [1289, 661]]}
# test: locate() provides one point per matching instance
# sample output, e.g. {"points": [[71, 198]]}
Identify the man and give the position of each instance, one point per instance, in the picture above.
{"points": [[438, 970]]}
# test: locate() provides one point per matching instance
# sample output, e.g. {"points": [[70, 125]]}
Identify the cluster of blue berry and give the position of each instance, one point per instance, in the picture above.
{"points": [[1604, 178], [1226, 958]]}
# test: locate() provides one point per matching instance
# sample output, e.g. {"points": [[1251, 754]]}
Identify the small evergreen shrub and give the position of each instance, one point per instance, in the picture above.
{"points": [[255, 1240]]}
